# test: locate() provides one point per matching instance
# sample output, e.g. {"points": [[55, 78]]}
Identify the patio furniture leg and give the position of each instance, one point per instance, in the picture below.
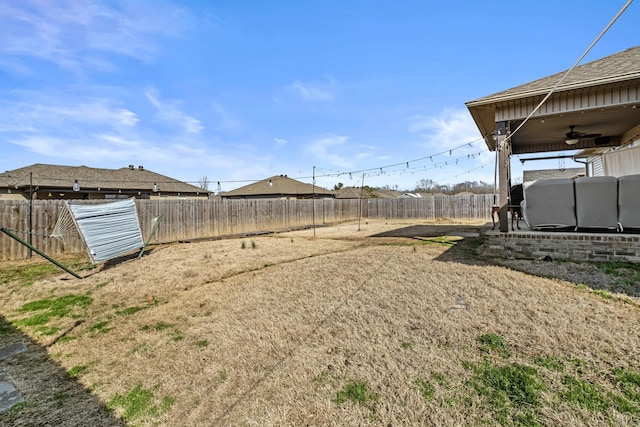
{"points": [[494, 210]]}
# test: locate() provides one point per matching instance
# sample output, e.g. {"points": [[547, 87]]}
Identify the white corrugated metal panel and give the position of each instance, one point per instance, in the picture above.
{"points": [[109, 230]]}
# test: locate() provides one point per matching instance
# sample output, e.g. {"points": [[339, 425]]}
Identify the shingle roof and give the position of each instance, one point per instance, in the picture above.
{"points": [[356, 193], [279, 185], [127, 178], [615, 68]]}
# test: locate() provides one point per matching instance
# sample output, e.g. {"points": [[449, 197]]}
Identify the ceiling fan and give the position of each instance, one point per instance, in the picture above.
{"points": [[574, 137]]}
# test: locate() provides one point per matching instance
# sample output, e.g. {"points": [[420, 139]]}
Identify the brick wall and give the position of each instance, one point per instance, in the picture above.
{"points": [[568, 246]]}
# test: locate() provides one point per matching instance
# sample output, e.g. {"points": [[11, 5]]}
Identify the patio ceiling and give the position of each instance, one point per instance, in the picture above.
{"points": [[601, 97]]}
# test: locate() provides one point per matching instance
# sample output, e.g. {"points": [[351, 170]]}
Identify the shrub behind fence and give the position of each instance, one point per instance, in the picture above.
{"points": [[190, 219]]}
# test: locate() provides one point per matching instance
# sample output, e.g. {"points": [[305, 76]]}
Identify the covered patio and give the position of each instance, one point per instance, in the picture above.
{"points": [[594, 110]]}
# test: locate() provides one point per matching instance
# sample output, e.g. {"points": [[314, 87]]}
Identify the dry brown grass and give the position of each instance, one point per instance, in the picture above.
{"points": [[269, 334]]}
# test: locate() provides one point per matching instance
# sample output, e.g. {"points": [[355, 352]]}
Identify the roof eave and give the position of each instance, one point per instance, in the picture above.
{"points": [[495, 99]]}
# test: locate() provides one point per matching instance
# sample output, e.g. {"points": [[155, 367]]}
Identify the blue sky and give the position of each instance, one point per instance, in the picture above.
{"points": [[242, 90]]}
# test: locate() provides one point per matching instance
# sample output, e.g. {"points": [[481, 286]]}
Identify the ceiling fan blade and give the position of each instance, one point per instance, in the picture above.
{"points": [[590, 135]]}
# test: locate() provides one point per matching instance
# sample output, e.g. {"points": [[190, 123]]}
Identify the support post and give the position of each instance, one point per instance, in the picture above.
{"points": [[313, 198], [42, 254], [153, 232], [360, 202], [503, 145], [30, 211]]}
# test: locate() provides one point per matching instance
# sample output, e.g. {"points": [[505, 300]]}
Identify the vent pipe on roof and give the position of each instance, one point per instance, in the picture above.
{"points": [[130, 167], [140, 168]]}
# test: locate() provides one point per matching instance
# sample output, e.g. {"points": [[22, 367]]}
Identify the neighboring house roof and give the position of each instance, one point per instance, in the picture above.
{"points": [[128, 178], [349, 193], [356, 192], [618, 67], [277, 186]]}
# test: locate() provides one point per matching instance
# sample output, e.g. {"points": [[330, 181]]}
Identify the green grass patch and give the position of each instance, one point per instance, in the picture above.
{"points": [[59, 307], [140, 404], [604, 294], [45, 309], [440, 379], [628, 272], [623, 405], [321, 378], [100, 327], [511, 392], [66, 338], [628, 382], [28, 274], [441, 240], [584, 394], [177, 335], [426, 389], [35, 320], [493, 343], [551, 363], [19, 407], [130, 310], [357, 392], [47, 330], [406, 345], [160, 326], [76, 370], [202, 343]]}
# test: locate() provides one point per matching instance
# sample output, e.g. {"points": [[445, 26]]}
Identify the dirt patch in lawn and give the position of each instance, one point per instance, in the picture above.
{"points": [[377, 323]]}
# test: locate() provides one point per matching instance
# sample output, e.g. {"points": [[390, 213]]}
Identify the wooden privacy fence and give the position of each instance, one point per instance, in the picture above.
{"points": [[189, 219]]}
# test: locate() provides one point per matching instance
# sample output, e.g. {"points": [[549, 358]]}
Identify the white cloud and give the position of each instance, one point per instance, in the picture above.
{"points": [[451, 128], [280, 143], [227, 123], [326, 149], [315, 92], [35, 114], [76, 34], [456, 131], [118, 141], [169, 111]]}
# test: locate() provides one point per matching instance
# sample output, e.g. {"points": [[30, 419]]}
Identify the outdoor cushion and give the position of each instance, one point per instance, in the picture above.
{"points": [[597, 202], [549, 204], [629, 201]]}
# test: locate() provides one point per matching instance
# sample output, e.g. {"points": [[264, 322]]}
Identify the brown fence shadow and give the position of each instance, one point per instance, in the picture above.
{"points": [[51, 397]]}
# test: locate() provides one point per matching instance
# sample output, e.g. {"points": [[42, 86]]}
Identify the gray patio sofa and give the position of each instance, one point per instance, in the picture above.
{"points": [[549, 204], [597, 202], [629, 202], [589, 203]]}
